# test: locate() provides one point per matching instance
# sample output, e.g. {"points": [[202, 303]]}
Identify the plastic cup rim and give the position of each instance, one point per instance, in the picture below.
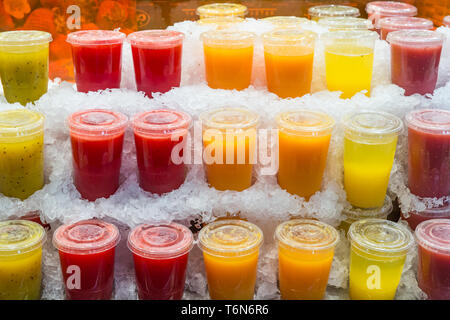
{"points": [[318, 130], [431, 244], [27, 130], [26, 42], [119, 39], [38, 243], [205, 116], [418, 125], [348, 11], [100, 130], [155, 38], [183, 123]]}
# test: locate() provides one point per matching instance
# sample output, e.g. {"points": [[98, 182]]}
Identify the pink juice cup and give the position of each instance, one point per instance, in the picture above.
{"points": [[377, 10]]}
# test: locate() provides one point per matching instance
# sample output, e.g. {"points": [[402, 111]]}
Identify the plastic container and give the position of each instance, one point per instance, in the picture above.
{"points": [[230, 252], [97, 58], [282, 22], [390, 24], [289, 56], [228, 58], [415, 217], [157, 59], [24, 65], [20, 259], [305, 252], [221, 10], [369, 148], [22, 153], [330, 10], [345, 23], [232, 130], [349, 60], [157, 134], [220, 22], [377, 10], [86, 252], [378, 253], [303, 141], [97, 138], [160, 255]]}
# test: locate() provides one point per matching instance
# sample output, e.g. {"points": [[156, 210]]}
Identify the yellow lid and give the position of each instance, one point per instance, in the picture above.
{"points": [[20, 236], [222, 9], [20, 123]]}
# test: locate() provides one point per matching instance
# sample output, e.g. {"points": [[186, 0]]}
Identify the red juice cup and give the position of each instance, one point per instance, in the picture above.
{"points": [[160, 258], [377, 10], [390, 24], [86, 252], [416, 217], [429, 152], [415, 56], [97, 58], [433, 272], [157, 59], [97, 141], [158, 134]]}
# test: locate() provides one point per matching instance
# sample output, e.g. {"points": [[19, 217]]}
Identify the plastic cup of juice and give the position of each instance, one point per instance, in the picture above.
{"points": [[390, 24], [229, 147], [349, 60], [157, 135], [97, 138], [345, 23], [24, 65], [305, 252], [22, 153], [220, 22], [230, 252], [289, 56], [416, 217], [221, 10], [415, 57], [97, 59], [303, 141], [86, 252], [160, 258], [433, 238], [330, 10], [429, 152], [377, 10], [228, 58], [20, 259], [369, 148], [282, 22], [157, 59], [378, 253], [446, 21]]}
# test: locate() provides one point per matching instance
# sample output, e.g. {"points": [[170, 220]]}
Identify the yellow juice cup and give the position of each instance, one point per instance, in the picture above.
{"points": [[289, 56], [349, 60], [330, 10], [220, 22], [228, 58], [221, 10], [369, 148], [21, 153], [230, 251], [20, 259], [378, 253], [345, 23], [282, 22], [303, 140], [229, 147], [305, 252]]}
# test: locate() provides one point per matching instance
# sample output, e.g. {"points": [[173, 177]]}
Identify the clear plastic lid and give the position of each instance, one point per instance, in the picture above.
{"points": [[220, 20], [156, 38], [229, 118], [331, 10], [306, 234], [434, 235], [95, 37], [20, 236], [289, 37], [222, 9], [350, 36], [228, 38], [372, 124], [402, 22], [380, 237], [285, 21], [434, 121], [305, 122], [420, 38], [353, 214], [446, 21], [161, 122], [230, 238], [97, 122], [437, 212], [345, 23], [391, 8], [86, 237], [160, 241], [20, 123], [24, 38]]}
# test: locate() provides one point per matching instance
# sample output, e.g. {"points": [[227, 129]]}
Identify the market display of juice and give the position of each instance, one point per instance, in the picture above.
{"points": [[20, 259], [390, 24], [305, 252], [22, 153], [24, 65], [221, 10], [345, 23], [377, 10], [330, 10], [230, 252]]}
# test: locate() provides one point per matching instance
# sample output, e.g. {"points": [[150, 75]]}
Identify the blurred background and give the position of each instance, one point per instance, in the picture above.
{"points": [[62, 16]]}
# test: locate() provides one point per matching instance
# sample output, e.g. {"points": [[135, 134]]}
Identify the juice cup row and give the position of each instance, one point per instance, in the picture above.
{"points": [[230, 253]]}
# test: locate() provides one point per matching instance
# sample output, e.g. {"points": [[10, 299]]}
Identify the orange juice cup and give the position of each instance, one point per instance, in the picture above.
{"points": [[230, 251], [228, 58], [222, 10], [305, 252], [303, 138], [229, 142], [289, 56]]}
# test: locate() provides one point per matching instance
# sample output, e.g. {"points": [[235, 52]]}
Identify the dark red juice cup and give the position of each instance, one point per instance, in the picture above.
{"points": [[415, 57], [157, 59], [160, 137], [97, 58], [391, 24], [160, 258], [97, 141], [416, 217], [86, 252]]}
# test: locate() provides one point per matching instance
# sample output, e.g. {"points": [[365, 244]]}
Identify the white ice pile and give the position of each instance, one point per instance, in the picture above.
{"points": [[264, 203]]}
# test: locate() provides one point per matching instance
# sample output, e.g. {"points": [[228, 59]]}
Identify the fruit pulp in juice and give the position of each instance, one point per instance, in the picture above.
{"points": [[24, 72], [21, 166], [367, 169], [434, 274], [348, 69]]}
